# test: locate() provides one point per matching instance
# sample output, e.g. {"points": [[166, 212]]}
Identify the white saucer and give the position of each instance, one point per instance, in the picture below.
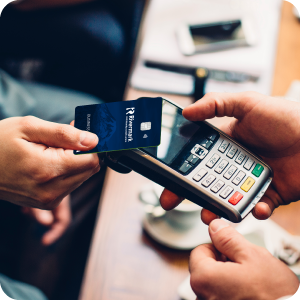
{"points": [[182, 239]]}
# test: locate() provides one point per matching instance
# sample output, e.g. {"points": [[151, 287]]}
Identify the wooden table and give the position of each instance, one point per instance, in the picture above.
{"points": [[124, 262]]}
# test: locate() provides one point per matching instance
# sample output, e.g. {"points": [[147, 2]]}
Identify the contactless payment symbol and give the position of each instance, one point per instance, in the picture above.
{"points": [[145, 126]]}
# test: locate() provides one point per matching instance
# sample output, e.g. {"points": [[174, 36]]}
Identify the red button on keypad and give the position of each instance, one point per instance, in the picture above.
{"points": [[236, 198]]}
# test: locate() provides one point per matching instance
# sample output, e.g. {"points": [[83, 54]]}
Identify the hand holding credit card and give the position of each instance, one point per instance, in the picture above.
{"points": [[122, 125]]}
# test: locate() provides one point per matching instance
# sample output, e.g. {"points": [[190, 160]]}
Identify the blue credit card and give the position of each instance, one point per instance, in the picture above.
{"points": [[122, 125]]}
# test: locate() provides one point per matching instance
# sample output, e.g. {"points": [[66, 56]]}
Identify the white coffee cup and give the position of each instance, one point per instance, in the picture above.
{"points": [[182, 217]]}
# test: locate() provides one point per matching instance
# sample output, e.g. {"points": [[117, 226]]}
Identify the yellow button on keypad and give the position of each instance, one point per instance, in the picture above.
{"points": [[247, 184]]}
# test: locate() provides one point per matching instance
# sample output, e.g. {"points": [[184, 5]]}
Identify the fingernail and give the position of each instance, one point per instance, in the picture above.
{"points": [[86, 138], [217, 225]]}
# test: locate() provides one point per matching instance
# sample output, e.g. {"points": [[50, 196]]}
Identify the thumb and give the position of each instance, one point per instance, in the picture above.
{"points": [[222, 104], [57, 135], [228, 241]]}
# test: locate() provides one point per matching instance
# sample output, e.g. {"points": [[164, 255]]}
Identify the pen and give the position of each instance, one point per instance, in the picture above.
{"points": [[219, 75]]}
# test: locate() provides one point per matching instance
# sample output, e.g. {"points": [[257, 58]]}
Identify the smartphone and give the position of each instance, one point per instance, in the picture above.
{"points": [[200, 163], [211, 37]]}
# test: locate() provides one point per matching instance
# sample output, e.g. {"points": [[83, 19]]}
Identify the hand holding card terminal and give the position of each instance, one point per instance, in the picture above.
{"points": [[201, 163]]}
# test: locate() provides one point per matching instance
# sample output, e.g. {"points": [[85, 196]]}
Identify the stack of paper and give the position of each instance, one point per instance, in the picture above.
{"points": [[160, 45]]}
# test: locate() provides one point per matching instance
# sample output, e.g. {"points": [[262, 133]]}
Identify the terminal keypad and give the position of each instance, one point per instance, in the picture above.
{"points": [[224, 146], [240, 158], [222, 166], [233, 150], [217, 186], [193, 159], [226, 192], [214, 159], [198, 152], [209, 180], [249, 163], [206, 143], [200, 175], [238, 178], [234, 168]]}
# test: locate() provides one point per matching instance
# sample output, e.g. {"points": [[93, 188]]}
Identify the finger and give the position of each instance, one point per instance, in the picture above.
{"points": [[58, 189], [64, 162], [53, 234], [207, 216], [78, 165], [220, 105], [57, 135], [262, 209], [73, 181], [72, 123], [62, 219], [227, 126], [169, 200], [265, 207], [43, 217], [228, 241], [205, 253]]}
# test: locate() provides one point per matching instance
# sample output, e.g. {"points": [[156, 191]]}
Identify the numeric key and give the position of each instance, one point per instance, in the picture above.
{"points": [[238, 178], [232, 169], [222, 166], [223, 146], [209, 180], [231, 153], [213, 160], [217, 186], [200, 175], [226, 192], [240, 158], [249, 163]]}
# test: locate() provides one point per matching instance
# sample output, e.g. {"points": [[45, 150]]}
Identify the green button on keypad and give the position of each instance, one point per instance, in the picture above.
{"points": [[257, 170]]}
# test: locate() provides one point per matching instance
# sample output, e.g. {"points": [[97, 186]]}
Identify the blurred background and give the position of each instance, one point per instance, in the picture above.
{"points": [[124, 246]]}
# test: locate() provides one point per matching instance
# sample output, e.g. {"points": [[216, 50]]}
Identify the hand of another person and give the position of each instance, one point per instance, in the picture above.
{"points": [[233, 269], [37, 164], [57, 220], [268, 126]]}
